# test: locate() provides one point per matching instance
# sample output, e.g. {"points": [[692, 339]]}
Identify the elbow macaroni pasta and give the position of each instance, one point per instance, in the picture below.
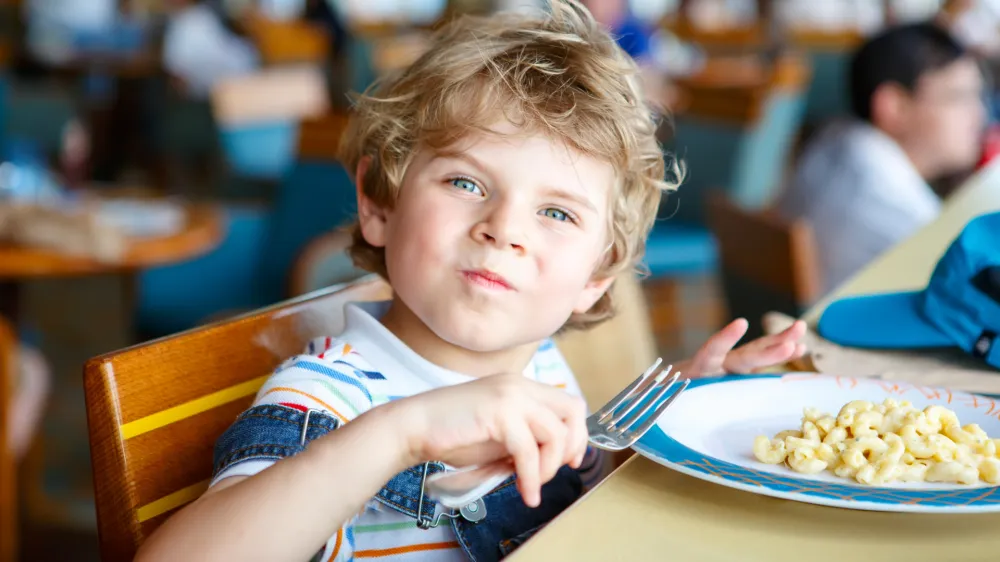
{"points": [[878, 444]]}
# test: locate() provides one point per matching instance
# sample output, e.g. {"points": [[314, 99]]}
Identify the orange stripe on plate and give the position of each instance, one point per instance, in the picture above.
{"points": [[405, 549], [309, 396]]}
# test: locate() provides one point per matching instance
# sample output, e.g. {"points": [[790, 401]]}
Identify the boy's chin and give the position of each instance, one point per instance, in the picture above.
{"points": [[488, 339]]}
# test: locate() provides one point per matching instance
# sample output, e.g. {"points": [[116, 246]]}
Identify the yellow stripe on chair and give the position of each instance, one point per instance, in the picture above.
{"points": [[166, 503], [192, 408]]}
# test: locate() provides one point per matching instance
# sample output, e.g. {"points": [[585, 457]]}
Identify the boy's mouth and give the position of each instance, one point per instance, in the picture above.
{"points": [[488, 279]]}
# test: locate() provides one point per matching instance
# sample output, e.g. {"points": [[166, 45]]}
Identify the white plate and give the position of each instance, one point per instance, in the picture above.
{"points": [[709, 430]]}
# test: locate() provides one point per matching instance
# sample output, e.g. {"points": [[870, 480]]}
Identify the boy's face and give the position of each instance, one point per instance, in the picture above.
{"points": [[942, 121], [494, 244]]}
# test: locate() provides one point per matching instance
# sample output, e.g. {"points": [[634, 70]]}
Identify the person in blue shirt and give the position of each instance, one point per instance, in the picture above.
{"points": [[632, 34]]}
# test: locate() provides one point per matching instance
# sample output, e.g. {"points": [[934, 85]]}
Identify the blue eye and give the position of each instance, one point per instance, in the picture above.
{"points": [[466, 184], [556, 214]]}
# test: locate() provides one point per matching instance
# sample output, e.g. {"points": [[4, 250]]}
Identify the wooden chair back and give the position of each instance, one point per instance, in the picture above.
{"points": [[8, 466], [155, 410], [767, 263]]}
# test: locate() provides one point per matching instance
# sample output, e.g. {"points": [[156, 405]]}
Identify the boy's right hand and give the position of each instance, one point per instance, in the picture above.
{"points": [[501, 418]]}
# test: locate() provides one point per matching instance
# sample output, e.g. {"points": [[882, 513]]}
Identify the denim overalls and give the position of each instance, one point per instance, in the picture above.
{"points": [[486, 530]]}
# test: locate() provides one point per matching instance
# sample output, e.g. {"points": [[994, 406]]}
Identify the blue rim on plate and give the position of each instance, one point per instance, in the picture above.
{"points": [[663, 449]]}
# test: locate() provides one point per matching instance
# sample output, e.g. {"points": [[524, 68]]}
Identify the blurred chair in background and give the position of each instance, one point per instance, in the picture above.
{"points": [[317, 196], [767, 263], [258, 117], [738, 133], [24, 388], [251, 267], [735, 127], [8, 465], [324, 263]]}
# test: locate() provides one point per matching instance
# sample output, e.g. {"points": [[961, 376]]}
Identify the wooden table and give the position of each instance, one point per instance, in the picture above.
{"points": [[202, 231], [645, 511]]}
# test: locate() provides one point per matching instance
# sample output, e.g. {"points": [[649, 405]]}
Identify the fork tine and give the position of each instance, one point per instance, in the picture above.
{"points": [[638, 398], [641, 430], [621, 396], [647, 406]]}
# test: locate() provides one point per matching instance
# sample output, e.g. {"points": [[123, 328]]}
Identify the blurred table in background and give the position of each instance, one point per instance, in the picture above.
{"points": [[78, 307], [202, 230]]}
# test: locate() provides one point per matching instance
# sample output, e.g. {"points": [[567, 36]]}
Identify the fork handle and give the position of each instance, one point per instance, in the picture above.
{"points": [[456, 489]]}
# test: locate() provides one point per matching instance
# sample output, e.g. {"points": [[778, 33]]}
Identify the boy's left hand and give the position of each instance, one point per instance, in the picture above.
{"points": [[717, 356]]}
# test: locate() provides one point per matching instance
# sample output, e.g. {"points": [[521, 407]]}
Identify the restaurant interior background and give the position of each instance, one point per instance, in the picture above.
{"points": [[205, 199]]}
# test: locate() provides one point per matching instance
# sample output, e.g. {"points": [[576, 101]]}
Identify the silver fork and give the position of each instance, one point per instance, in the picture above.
{"points": [[615, 426]]}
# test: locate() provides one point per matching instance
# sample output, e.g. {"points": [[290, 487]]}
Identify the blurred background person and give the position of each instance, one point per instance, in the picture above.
{"points": [[917, 101], [632, 33], [203, 44]]}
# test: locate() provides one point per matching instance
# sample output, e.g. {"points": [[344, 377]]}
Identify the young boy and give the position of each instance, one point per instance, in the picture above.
{"points": [[503, 180]]}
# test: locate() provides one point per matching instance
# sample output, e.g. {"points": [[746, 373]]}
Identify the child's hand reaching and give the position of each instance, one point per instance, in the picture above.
{"points": [[501, 418], [717, 356]]}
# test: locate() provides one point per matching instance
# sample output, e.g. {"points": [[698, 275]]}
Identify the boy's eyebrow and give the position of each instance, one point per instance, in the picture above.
{"points": [[461, 155], [574, 197]]}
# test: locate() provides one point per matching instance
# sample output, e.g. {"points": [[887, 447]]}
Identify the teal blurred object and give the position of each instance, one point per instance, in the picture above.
{"points": [[828, 97], [679, 250], [4, 80], [38, 114], [188, 128], [748, 162], [361, 67], [180, 296], [260, 150], [250, 268], [315, 198]]}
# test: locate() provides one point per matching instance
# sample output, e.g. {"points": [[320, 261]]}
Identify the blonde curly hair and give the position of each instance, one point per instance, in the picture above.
{"points": [[558, 73]]}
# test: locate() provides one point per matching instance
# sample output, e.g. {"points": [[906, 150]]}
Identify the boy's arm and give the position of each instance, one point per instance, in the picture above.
{"points": [[288, 511]]}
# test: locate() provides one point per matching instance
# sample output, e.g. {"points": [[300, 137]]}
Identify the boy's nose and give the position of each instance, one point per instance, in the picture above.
{"points": [[501, 231]]}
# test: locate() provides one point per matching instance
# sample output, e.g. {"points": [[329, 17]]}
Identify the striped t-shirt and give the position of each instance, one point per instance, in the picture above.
{"points": [[367, 366]]}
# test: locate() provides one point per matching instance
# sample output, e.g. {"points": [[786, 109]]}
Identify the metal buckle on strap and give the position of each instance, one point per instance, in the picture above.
{"points": [[474, 512], [305, 425]]}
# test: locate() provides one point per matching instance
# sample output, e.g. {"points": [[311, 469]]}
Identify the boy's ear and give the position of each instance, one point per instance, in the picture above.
{"points": [[889, 105], [593, 291], [371, 217]]}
